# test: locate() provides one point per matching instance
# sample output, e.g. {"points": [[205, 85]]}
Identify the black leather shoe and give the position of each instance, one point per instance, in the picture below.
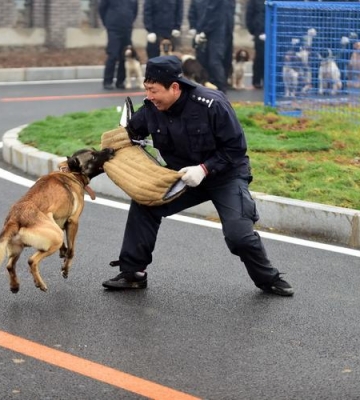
{"points": [[108, 86], [126, 280], [120, 86], [279, 287]]}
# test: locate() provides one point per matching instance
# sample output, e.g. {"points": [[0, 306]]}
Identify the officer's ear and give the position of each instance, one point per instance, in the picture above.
{"points": [[176, 87]]}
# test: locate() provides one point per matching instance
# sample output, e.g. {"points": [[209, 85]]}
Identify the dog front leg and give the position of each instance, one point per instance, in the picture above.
{"points": [[71, 232], [62, 250], [128, 83], [321, 84]]}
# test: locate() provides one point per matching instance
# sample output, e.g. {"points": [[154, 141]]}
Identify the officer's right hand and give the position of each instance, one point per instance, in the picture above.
{"points": [[151, 37], [194, 175]]}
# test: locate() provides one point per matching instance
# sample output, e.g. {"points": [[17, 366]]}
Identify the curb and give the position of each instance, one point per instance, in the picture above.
{"points": [[297, 218], [36, 74]]}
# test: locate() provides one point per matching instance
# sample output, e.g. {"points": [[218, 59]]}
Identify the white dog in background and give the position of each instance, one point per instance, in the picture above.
{"points": [[132, 68], [240, 59], [329, 74], [290, 73]]}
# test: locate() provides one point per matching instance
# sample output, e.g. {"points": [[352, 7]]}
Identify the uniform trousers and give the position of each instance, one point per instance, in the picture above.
{"points": [[237, 212], [117, 41]]}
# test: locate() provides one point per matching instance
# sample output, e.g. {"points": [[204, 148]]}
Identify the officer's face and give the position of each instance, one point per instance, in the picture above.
{"points": [[161, 97]]}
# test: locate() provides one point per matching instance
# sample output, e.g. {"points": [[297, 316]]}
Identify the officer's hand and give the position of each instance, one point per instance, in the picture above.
{"points": [[192, 33], [193, 175], [151, 37], [175, 33], [200, 38]]}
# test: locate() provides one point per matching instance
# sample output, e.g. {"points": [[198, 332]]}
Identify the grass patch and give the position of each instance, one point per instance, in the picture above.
{"points": [[306, 159]]}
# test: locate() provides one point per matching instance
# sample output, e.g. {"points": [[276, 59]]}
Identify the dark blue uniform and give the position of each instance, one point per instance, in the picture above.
{"points": [[195, 13], [118, 17], [255, 23], [217, 22], [200, 127], [162, 17]]}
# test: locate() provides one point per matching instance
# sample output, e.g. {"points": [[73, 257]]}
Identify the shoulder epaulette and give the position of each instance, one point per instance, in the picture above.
{"points": [[199, 98]]}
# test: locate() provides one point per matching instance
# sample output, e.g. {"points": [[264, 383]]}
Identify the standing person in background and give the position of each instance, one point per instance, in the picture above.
{"points": [[215, 28], [117, 17], [162, 20], [255, 23], [230, 8], [196, 10]]}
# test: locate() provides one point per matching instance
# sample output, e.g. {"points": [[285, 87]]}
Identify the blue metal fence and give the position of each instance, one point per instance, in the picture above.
{"points": [[312, 57]]}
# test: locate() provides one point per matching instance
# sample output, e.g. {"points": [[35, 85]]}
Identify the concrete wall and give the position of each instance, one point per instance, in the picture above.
{"points": [[68, 24]]}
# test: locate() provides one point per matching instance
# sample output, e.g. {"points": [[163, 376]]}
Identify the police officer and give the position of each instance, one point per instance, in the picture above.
{"points": [[118, 18], [215, 30], [255, 23], [196, 10], [197, 133], [162, 20]]}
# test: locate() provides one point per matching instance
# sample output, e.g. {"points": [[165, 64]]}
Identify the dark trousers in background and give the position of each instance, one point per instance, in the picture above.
{"points": [[237, 211], [117, 41], [259, 62]]}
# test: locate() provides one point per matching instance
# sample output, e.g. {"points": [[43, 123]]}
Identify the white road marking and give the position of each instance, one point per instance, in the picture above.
{"points": [[9, 176]]}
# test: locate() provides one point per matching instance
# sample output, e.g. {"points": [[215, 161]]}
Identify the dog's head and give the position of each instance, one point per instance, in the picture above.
{"points": [[326, 55], [356, 46], [89, 162], [242, 55], [130, 52], [166, 47]]}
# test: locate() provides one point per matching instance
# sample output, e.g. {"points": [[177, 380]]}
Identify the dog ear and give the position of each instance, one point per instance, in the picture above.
{"points": [[74, 164]]}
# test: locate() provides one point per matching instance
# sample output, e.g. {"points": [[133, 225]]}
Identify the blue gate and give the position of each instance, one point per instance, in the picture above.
{"points": [[312, 57]]}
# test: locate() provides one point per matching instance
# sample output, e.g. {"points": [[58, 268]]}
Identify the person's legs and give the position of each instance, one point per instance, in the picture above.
{"points": [[258, 65], [112, 51], [237, 211], [125, 40], [152, 49], [140, 235]]}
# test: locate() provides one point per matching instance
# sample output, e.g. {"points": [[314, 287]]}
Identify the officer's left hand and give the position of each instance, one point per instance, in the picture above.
{"points": [[193, 176], [175, 33]]}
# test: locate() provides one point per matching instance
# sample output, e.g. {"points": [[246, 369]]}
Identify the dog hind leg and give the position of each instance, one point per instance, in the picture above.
{"points": [[14, 252], [47, 238], [71, 232]]}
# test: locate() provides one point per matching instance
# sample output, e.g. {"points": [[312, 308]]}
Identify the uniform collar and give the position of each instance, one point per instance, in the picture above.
{"points": [[179, 104]]}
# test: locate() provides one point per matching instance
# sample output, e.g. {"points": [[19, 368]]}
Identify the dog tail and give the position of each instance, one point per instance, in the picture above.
{"points": [[9, 231]]}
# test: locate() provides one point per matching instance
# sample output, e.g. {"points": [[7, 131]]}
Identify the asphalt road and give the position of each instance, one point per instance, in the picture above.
{"points": [[201, 328]]}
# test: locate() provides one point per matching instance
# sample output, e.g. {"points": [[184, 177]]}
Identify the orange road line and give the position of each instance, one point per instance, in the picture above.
{"points": [[70, 97], [91, 369]]}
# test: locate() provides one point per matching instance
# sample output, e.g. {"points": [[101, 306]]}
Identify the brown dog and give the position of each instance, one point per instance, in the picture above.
{"points": [[354, 68], [51, 207], [166, 47]]}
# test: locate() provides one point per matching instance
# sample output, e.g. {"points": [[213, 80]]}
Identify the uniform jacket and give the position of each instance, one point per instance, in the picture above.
{"points": [[118, 15], [195, 13], [255, 17], [161, 17], [200, 128], [215, 15]]}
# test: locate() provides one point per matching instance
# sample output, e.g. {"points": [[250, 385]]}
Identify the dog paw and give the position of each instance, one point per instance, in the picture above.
{"points": [[64, 274]]}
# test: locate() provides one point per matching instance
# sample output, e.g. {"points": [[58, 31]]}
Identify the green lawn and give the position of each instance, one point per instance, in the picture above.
{"points": [[307, 159]]}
